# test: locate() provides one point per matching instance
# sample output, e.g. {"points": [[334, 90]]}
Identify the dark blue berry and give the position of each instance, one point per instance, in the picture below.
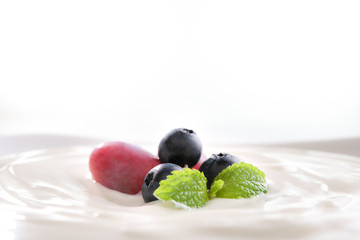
{"points": [[180, 146], [153, 178], [215, 164]]}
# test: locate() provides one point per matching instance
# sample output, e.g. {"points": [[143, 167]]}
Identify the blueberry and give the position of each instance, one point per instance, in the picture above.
{"points": [[180, 146], [153, 178], [215, 164]]}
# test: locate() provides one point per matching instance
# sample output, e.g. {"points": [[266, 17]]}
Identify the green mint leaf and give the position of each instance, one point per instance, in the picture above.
{"points": [[215, 187], [241, 180], [186, 188]]}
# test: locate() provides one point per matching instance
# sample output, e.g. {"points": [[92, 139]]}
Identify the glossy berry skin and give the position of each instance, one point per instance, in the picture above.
{"points": [[202, 159], [153, 178], [181, 146], [121, 166], [215, 164]]}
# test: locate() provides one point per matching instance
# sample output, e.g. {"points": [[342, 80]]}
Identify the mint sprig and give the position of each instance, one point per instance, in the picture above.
{"points": [[186, 188], [241, 180], [215, 187]]}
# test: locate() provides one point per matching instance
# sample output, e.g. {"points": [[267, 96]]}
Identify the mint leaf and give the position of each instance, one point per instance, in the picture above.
{"points": [[215, 187], [241, 180], [187, 188]]}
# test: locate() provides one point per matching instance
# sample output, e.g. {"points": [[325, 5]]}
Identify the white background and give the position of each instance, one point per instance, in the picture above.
{"points": [[234, 71]]}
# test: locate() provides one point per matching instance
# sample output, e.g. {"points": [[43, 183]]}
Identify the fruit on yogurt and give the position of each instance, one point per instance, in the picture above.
{"points": [[215, 164], [180, 146], [153, 178], [121, 166]]}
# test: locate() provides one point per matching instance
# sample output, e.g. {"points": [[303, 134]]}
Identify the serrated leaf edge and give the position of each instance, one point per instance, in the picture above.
{"points": [[177, 174]]}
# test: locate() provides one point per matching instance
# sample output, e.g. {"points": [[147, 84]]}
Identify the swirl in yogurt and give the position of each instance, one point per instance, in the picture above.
{"points": [[311, 195]]}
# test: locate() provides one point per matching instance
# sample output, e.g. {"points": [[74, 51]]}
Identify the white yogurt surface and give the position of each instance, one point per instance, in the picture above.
{"points": [[50, 195]]}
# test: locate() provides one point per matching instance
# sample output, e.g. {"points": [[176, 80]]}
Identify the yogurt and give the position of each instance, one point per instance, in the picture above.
{"points": [[50, 194]]}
